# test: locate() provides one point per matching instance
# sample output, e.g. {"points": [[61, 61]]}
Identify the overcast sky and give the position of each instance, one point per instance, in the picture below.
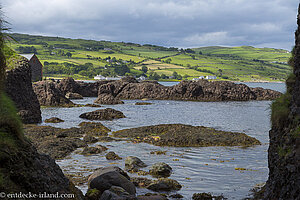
{"points": [[179, 23]]}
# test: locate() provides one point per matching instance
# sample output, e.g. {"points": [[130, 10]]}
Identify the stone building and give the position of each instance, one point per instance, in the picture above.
{"points": [[35, 65]]}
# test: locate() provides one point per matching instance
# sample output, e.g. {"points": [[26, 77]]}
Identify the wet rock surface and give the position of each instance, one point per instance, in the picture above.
{"points": [[158, 185], [103, 114], [54, 120], [143, 103], [207, 196], [185, 135], [18, 87]]}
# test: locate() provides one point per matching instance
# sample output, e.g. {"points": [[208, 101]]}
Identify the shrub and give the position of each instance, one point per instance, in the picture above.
{"points": [[280, 110]]}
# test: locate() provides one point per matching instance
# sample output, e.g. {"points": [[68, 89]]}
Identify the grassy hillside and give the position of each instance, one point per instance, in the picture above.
{"points": [[87, 58]]}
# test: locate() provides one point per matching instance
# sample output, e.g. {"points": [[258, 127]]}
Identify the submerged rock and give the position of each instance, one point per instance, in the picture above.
{"points": [[112, 156], [160, 169], [103, 114], [54, 120], [143, 103], [180, 135], [150, 196]]}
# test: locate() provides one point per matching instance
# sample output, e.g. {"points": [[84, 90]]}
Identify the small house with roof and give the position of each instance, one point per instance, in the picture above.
{"points": [[35, 65]]}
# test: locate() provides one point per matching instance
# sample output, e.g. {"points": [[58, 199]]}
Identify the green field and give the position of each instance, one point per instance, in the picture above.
{"points": [[86, 58]]}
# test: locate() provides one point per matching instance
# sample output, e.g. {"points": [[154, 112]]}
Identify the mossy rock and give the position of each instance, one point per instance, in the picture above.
{"points": [[180, 135]]}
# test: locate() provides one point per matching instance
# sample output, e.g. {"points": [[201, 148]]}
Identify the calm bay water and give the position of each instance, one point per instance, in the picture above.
{"points": [[205, 169]]}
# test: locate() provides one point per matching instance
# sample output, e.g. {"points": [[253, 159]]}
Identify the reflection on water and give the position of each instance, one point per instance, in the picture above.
{"points": [[205, 169]]}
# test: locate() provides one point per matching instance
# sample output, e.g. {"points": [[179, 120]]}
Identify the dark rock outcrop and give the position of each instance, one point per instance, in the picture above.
{"points": [[19, 88], [103, 114], [86, 89], [284, 149], [49, 95], [201, 90], [185, 135]]}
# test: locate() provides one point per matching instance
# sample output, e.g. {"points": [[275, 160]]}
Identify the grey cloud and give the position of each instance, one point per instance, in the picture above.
{"points": [[180, 23]]}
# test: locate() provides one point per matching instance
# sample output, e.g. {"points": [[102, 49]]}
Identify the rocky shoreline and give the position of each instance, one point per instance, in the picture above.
{"points": [[53, 93]]}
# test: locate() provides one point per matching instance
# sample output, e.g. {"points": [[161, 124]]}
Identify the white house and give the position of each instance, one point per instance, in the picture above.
{"points": [[210, 77], [201, 77], [142, 78]]}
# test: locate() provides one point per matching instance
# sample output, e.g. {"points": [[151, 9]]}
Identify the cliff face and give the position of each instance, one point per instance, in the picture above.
{"points": [[19, 88], [284, 149]]}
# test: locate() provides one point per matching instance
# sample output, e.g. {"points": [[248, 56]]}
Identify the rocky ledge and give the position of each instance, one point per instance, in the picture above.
{"points": [[180, 135], [201, 90], [58, 142]]}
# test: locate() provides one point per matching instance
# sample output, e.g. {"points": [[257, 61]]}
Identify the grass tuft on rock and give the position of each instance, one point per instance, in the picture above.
{"points": [[280, 110]]}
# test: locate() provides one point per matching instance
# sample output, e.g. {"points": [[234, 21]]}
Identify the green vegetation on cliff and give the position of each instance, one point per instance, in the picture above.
{"points": [[86, 58]]}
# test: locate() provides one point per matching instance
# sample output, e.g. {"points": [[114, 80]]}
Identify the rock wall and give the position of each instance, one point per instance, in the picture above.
{"points": [[284, 149], [19, 88]]}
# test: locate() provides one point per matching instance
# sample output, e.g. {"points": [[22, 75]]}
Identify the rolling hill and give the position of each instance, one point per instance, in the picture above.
{"points": [[84, 59]]}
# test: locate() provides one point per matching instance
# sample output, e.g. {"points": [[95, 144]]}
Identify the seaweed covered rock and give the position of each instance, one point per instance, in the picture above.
{"points": [[58, 142], [160, 169], [103, 114], [93, 150], [185, 135], [19, 88]]}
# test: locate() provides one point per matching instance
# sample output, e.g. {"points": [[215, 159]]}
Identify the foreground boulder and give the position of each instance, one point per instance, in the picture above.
{"points": [[201, 90], [19, 88], [104, 178], [159, 185], [180, 135], [103, 114]]}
